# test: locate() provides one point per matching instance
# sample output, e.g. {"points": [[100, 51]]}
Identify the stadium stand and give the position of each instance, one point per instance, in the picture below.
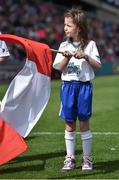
{"points": [[43, 21]]}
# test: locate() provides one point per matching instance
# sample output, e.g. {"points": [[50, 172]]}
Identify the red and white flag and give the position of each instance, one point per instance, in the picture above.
{"points": [[29, 92], [11, 143]]}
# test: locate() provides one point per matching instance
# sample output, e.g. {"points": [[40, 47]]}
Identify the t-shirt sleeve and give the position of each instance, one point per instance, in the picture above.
{"points": [[93, 52], [58, 58]]}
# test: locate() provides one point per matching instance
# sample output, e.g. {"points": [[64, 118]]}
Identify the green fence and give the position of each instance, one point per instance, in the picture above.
{"points": [[108, 68]]}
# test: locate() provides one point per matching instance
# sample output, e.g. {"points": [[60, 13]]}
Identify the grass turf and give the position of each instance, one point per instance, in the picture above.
{"points": [[45, 157]]}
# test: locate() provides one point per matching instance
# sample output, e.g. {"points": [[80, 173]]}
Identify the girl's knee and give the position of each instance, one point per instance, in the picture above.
{"points": [[84, 126], [70, 127]]}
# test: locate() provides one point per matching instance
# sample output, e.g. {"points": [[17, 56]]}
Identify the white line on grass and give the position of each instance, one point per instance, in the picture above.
{"points": [[62, 133]]}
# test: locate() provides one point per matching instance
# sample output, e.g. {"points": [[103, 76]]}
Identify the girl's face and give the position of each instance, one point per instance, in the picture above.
{"points": [[70, 29]]}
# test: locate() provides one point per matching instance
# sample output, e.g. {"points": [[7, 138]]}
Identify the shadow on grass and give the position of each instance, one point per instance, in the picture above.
{"points": [[107, 166], [100, 168], [42, 158], [29, 138]]}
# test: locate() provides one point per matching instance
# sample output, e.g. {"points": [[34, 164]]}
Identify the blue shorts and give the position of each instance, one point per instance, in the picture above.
{"points": [[76, 100]]}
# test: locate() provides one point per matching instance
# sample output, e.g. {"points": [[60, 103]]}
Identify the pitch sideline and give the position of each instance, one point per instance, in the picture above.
{"points": [[62, 133]]}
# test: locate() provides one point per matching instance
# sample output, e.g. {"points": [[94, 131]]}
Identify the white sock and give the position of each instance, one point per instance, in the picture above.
{"points": [[86, 142], [70, 143]]}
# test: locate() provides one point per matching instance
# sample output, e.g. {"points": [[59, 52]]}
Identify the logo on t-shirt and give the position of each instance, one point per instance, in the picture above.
{"points": [[73, 69]]}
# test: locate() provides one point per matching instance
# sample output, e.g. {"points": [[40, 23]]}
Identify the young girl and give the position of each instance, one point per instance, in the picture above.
{"points": [[78, 59]]}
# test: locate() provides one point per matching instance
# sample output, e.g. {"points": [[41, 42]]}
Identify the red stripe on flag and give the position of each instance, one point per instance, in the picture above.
{"points": [[38, 52], [11, 143]]}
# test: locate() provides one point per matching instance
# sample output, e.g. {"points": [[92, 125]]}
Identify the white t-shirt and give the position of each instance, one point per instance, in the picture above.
{"points": [[3, 49], [78, 70]]}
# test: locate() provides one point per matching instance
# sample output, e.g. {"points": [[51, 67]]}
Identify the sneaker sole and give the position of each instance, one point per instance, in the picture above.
{"points": [[87, 169], [67, 170]]}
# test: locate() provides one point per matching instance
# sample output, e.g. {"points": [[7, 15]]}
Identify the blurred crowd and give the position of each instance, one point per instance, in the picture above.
{"points": [[43, 22]]}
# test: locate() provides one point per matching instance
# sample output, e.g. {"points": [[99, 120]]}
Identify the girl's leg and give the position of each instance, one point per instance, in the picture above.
{"points": [[86, 137], [70, 139], [69, 162]]}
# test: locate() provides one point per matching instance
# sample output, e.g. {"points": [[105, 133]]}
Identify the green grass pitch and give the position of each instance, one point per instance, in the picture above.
{"points": [[45, 157]]}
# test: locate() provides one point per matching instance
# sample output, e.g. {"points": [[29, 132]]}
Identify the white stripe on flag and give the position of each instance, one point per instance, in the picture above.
{"points": [[26, 99]]}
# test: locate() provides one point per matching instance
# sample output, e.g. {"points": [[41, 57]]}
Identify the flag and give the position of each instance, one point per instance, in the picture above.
{"points": [[11, 143], [29, 92]]}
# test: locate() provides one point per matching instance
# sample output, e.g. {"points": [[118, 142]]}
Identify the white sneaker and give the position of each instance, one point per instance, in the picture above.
{"points": [[69, 164], [87, 163]]}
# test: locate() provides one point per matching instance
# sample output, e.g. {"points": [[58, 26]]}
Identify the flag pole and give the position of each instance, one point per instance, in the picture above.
{"points": [[54, 50]]}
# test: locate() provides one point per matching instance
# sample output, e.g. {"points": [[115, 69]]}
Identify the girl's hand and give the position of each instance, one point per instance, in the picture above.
{"points": [[67, 54], [79, 54]]}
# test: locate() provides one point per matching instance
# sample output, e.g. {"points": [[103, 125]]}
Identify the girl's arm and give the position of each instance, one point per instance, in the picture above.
{"points": [[91, 61], [61, 65]]}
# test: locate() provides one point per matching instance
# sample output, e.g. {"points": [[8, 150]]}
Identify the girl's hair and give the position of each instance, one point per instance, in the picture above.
{"points": [[79, 18]]}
